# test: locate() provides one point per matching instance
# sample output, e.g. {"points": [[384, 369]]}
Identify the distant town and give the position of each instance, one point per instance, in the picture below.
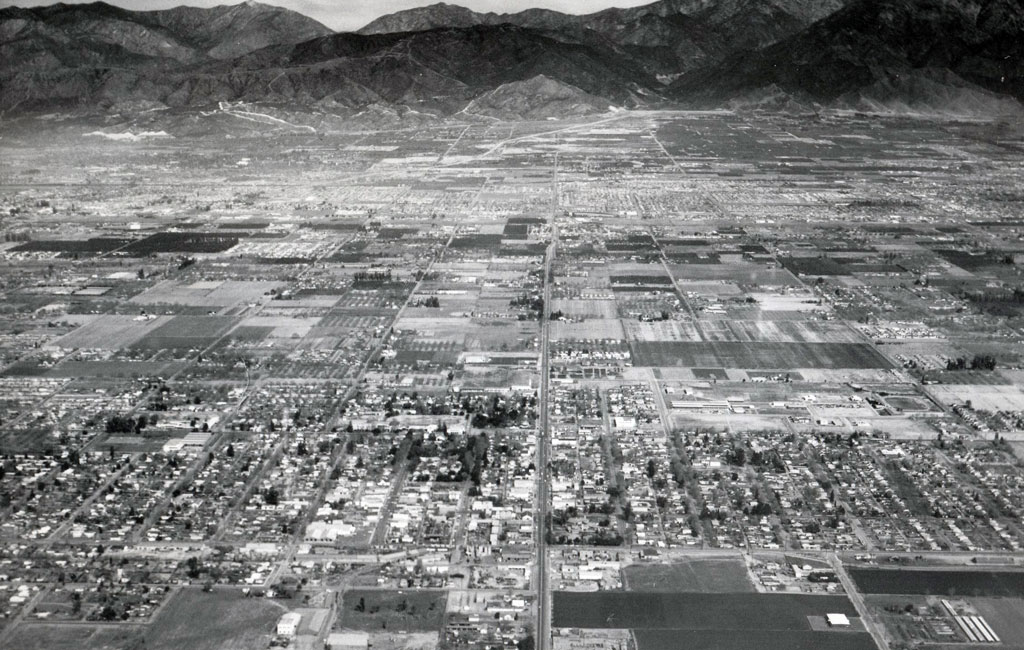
{"points": [[646, 380]]}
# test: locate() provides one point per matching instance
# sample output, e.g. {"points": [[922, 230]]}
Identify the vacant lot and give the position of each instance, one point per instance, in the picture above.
{"points": [[220, 620], [399, 610], [705, 576], [938, 582], [693, 611], [756, 356]]}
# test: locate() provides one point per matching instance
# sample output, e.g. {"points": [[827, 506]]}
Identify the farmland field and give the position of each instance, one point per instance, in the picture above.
{"points": [[186, 332], [75, 637], [746, 331], [756, 356], [66, 247], [588, 330], [110, 332], [693, 611], [740, 273], [73, 369], [181, 242], [705, 576], [747, 640], [578, 308], [939, 582], [1006, 616]]}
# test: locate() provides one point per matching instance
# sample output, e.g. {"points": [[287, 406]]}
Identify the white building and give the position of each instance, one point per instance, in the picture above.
{"points": [[289, 624], [348, 641]]}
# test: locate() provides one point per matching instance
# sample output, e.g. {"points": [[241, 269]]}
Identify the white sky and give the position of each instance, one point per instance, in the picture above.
{"points": [[349, 15]]}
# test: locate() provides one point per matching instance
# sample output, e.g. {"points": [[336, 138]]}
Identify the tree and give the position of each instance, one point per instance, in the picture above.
{"points": [[193, 568], [120, 424], [230, 451], [271, 496]]}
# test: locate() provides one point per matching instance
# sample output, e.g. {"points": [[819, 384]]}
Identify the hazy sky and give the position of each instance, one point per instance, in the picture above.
{"points": [[350, 15]]}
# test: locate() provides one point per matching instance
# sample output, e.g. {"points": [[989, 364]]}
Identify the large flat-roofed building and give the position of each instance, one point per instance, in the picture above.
{"points": [[289, 624], [348, 641]]}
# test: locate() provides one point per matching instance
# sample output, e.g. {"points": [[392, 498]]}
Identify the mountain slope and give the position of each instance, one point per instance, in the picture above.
{"points": [[874, 44], [939, 56], [99, 33], [535, 99], [226, 32], [439, 71], [457, 60], [667, 37]]}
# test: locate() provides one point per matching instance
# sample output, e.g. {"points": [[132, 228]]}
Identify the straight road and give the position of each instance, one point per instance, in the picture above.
{"points": [[543, 625], [858, 602]]}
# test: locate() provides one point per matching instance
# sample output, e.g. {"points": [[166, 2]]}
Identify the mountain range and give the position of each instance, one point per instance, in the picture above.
{"points": [[955, 56]]}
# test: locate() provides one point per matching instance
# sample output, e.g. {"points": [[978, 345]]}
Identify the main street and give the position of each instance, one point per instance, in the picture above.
{"points": [[543, 603]]}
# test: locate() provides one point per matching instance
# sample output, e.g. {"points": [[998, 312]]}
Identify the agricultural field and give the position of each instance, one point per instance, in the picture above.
{"points": [[112, 332], [965, 582], [912, 620], [76, 637], [1006, 617], [756, 355], [751, 640], [186, 332], [713, 621], [694, 611], [655, 370]]}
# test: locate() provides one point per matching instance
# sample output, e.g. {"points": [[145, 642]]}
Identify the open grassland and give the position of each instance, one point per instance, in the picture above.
{"points": [[220, 620], [704, 576]]}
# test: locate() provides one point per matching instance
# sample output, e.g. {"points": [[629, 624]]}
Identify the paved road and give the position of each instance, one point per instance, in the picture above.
{"points": [[858, 602], [543, 626]]}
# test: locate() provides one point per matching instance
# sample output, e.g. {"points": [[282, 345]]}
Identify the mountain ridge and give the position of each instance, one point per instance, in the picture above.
{"points": [[929, 55], [186, 34], [873, 42]]}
